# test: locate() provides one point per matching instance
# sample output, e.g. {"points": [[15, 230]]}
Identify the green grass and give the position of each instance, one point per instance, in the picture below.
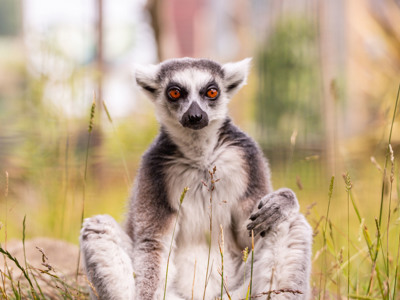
{"points": [[374, 257], [35, 283]]}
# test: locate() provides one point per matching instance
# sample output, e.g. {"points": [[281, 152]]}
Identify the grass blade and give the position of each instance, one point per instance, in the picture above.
{"points": [[90, 129], [38, 286], [128, 179], [252, 262], [397, 268], [324, 237], [348, 188], [172, 238], [221, 251], [16, 262], [367, 238], [210, 189], [194, 277], [248, 293], [386, 158]]}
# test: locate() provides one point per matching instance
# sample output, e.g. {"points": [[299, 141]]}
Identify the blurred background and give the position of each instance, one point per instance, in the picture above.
{"points": [[320, 98]]}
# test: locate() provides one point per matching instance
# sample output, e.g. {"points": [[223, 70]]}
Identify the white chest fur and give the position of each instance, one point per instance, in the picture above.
{"points": [[193, 235], [231, 185]]}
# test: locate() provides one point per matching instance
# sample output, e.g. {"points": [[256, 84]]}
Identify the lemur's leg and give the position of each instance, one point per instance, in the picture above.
{"points": [[105, 251], [282, 261], [150, 263]]}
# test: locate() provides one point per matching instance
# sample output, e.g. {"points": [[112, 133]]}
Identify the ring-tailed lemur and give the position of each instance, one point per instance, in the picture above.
{"points": [[196, 135]]}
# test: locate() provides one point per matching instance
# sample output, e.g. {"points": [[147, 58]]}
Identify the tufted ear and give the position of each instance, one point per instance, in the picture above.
{"points": [[235, 75], [146, 78]]}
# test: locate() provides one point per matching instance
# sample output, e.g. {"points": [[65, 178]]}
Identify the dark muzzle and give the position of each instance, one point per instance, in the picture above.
{"points": [[194, 118]]}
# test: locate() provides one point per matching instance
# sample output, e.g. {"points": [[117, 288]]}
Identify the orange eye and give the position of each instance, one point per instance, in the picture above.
{"points": [[174, 94], [212, 93]]}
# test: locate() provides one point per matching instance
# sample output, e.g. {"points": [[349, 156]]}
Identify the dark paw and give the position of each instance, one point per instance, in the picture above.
{"points": [[272, 210]]}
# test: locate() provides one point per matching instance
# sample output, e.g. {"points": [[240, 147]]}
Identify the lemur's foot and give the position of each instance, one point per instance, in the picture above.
{"points": [[100, 227], [272, 210], [105, 252]]}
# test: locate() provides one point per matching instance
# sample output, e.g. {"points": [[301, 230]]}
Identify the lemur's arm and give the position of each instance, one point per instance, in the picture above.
{"points": [[262, 215], [261, 209], [286, 238], [150, 225], [283, 240]]}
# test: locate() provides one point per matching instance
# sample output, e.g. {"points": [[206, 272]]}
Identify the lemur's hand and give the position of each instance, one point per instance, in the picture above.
{"points": [[272, 210]]}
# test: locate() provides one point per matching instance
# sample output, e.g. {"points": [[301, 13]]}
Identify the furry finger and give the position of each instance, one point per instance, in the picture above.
{"points": [[260, 229], [267, 226], [264, 213], [264, 201]]}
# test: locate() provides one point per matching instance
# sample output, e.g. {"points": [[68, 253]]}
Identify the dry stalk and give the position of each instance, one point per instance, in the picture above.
{"points": [[221, 251], [270, 282], [277, 292], [376, 164], [172, 238], [3, 275], [90, 128], [210, 187], [91, 287], [194, 277], [252, 262]]}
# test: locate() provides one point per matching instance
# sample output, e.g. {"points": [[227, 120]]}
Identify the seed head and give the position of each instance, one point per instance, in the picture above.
{"points": [[183, 194], [92, 111], [245, 255], [347, 181], [392, 163]]}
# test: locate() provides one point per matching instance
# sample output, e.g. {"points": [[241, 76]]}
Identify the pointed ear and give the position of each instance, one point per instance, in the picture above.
{"points": [[146, 78], [235, 75]]}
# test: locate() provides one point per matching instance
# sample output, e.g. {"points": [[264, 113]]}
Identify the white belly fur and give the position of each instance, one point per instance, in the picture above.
{"points": [[191, 240]]}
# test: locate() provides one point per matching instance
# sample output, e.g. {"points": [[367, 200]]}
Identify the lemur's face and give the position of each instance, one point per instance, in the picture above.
{"points": [[191, 92]]}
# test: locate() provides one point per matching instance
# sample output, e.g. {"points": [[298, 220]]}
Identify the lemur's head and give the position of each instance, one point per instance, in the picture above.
{"points": [[191, 92]]}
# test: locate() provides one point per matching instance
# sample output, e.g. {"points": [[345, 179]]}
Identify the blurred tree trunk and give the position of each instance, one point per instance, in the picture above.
{"points": [[153, 7], [99, 55], [97, 137], [328, 62]]}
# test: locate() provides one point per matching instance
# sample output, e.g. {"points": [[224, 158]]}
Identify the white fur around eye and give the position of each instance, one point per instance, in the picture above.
{"points": [[192, 79]]}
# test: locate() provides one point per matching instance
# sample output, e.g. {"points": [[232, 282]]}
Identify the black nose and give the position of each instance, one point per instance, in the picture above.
{"points": [[195, 118]]}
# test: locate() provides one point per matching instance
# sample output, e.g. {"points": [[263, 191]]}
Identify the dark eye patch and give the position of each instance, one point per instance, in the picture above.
{"points": [[210, 85], [173, 85]]}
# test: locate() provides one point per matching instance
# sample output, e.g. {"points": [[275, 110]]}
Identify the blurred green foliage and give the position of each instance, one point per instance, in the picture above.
{"points": [[43, 150], [288, 95]]}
